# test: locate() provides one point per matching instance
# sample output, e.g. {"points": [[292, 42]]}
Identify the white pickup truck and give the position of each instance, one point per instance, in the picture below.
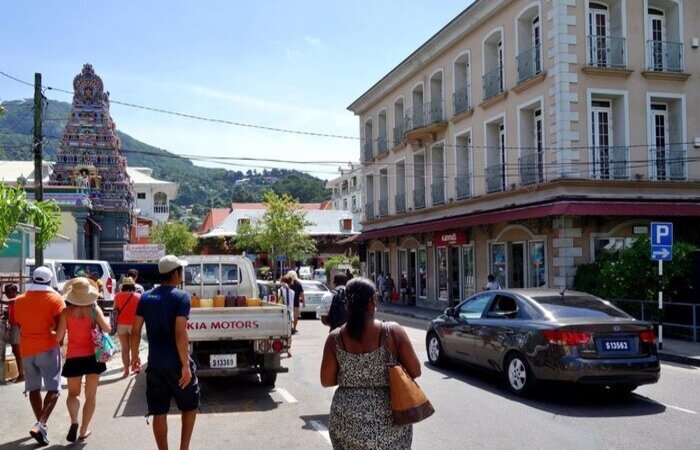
{"points": [[234, 340]]}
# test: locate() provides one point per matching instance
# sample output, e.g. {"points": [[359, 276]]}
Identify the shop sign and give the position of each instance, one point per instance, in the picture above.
{"points": [[143, 252], [450, 237]]}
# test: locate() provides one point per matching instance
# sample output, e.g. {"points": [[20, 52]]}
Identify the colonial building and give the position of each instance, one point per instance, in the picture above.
{"points": [[346, 193], [152, 205], [525, 137]]}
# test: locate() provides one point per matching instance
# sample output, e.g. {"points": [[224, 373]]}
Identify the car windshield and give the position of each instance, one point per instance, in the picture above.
{"points": [[561, 306], [314, 287]]}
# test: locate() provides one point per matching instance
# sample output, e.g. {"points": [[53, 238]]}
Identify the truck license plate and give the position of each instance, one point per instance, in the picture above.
{"points": [[222, 361]]}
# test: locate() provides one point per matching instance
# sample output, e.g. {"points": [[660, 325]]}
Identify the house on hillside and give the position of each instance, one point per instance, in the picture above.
{"points": [[346, 193]]}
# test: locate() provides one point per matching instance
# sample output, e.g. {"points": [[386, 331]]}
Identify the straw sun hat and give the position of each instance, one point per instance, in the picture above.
{"points": [[81, 291]]}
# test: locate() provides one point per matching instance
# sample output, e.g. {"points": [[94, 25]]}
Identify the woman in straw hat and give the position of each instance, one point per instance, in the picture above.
{"points": [[79, 318]]}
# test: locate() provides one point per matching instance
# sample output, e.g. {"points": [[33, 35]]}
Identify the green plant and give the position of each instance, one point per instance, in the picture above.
{"points": [[178, 240], [17, 209]]}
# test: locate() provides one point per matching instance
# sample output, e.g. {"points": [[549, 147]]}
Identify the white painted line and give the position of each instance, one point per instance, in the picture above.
{"points": [[318, 426], [677, 408], [286, 395], [680, 409]]}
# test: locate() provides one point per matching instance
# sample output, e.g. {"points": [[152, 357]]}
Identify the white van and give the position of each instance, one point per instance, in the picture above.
{"points": [[65, 269], [205, 275]]}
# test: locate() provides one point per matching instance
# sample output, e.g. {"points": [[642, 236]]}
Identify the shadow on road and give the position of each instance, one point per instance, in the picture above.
{"points": [[560, 399]]}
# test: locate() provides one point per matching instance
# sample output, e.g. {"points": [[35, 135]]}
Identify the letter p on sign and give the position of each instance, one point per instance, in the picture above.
{"points": [[661, 233]]}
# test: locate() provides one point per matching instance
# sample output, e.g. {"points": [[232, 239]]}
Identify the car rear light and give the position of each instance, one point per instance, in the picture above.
{"points": [[647, 336], [110, 284], [277, 346], [559, 337]]}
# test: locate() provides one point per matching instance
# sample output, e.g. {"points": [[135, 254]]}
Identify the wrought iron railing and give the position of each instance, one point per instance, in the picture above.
{"points": [[399, 131], [383, 207], [426, 114], [369, 211], [493, 82], [437, 191], [531, 167], [461, 101], [529, 63], [665, 56], [368, 150], [419, 198], [610, 163], [495, 178], [607, 51], [463, 186], [400, 202], [668, 162], [382, 145]]}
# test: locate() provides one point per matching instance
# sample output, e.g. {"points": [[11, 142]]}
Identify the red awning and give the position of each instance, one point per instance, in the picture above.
{"points": [[532, 212]]}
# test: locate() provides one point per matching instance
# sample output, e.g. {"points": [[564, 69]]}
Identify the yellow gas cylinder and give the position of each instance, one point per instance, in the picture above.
{"points": [[206, 303], [219, 301], [195, 301]]}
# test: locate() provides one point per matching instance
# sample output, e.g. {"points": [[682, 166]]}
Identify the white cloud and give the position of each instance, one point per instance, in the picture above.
{"points": [[313, 41]]}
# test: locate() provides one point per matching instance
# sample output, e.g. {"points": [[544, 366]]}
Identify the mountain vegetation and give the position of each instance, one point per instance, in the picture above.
{"points": [[200, 188]]}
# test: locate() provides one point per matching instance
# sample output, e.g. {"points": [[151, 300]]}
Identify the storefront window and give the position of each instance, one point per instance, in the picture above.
{"points": [[441, 270], [498, 263], [372, 270], [469, 275], [538, 275], [422, 273], [402, 264]]}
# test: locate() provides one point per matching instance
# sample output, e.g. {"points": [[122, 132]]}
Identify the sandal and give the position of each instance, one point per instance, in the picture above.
{"points": [[72, 433], [87, 435]]}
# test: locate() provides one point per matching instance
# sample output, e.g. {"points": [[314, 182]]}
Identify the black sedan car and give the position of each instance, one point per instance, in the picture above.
{"points": [[542, 334]]}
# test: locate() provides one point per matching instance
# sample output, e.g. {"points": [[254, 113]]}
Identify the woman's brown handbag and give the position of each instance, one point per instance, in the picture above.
{"points": [[408, 401]]}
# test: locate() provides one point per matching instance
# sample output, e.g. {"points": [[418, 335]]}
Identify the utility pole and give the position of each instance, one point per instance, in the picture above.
{"points": [[38, 158]]}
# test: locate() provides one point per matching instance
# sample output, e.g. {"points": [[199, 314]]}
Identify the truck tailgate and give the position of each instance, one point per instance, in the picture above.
{"points": [[244, 323]]}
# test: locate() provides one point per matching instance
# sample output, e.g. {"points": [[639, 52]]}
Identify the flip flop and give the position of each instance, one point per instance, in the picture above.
{"points": [[87, 435], [72, 433]]}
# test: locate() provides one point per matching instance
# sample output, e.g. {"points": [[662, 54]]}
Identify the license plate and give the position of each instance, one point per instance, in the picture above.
{"points": [[615, 346], [222, 361]]}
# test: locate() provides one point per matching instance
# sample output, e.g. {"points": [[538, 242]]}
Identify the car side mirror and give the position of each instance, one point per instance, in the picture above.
{"points": [[450, 312]]}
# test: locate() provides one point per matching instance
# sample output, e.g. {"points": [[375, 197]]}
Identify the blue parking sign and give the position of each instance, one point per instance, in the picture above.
{"points": [[661, 241]]}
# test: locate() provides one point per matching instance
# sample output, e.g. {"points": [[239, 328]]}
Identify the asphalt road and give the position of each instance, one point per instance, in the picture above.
{"points": [[473, 410]]}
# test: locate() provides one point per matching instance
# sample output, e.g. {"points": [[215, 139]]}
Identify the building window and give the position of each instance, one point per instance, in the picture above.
{"points": [[441, 271], [667, 151], [496, 155], [354, 203], [664, 42], [469, 274], [141, 196], [537, 276], [498, 263], [609, 154], [493, 81], [422, 281], [345, 204]]}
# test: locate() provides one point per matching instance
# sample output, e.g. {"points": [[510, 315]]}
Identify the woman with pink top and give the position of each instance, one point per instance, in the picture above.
{"points": [[79, 318]]}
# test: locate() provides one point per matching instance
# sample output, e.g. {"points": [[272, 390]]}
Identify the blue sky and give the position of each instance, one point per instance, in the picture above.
{"points": [[288, 64]]}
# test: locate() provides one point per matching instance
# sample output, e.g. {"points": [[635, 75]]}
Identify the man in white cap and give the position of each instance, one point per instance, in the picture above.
{"points": [[37, 313], [171, 372]]}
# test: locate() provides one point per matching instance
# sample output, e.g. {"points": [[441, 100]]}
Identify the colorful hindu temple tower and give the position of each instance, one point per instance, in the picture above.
{"points": [[89, 158]]}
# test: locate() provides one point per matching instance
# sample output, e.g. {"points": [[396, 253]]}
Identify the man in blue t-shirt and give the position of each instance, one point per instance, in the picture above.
{"points": [[170, 373]]}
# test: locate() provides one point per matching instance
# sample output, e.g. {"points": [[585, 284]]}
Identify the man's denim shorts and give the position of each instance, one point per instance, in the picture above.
{"points": [[44, 367]]}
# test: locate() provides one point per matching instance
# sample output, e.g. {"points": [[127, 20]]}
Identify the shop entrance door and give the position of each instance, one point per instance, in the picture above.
{"points": [[412, 278], [454, 271], [516, 270]]}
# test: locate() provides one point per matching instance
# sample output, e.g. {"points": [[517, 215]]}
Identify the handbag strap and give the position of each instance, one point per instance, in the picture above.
{"points": [[386, 332]]}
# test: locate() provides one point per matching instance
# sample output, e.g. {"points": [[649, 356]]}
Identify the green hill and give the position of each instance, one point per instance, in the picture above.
{"points": [[200, 188]]}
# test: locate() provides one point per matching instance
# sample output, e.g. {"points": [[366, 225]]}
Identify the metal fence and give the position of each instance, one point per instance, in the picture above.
{"points": [[665, 56], [680, 319], [460, 100], [607, 51], [493, 82], [529, 64]]}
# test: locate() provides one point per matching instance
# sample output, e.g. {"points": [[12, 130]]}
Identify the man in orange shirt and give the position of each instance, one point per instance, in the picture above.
{"points": [[37, 312]]}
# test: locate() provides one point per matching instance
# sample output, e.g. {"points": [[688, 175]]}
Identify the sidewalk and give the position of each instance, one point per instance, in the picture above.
{"points": [[682, 352]]}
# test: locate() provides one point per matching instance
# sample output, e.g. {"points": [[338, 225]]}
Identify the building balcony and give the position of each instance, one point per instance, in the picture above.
{"points": [[400, 202], [398, 134], [419, 198], [668, 163], [427, 118], [531, 169], [383, 207], [382, 145], [529, 64], [369, 211], [665, 56], [463, 186], [493, 83], [161, 209], [438, 192], [461, 101], [368, 151], [610, 163], [495, 178]]}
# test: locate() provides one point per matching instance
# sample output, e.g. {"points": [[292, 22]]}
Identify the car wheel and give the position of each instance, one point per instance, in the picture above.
{"points": [[436, 356], [518, 375], [268, 378]]}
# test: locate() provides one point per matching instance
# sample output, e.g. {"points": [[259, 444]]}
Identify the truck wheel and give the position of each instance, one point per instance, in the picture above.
{"points": [[268, 378]]}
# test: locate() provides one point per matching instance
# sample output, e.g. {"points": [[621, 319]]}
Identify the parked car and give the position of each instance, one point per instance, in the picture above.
{"points": [[315, 294], [66, 269], [542, 334], [320, 275]]}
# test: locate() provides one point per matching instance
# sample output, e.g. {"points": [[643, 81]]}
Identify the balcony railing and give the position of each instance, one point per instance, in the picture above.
{"points": [[463, 186], [531, 168], [400, 200], [369, 210], [665, 56], [398, 133], [382, 145], [610, 163], [529, 64], [383, 207], [438, 192], [493, 82], [607, 51], [368, 150], [495, 178], [461, 101], [426, 114], [161, 209], [419, 198], [669, 163]]}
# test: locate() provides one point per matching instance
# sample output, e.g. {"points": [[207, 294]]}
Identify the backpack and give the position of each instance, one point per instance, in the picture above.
{"points": [[337, 314]]}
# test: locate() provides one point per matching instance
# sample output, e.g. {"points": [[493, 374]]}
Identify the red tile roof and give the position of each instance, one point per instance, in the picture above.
{"points": [[304, 206], [213, 218]]}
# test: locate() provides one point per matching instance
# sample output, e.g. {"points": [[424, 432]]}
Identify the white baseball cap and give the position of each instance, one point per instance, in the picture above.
{"points": [[168, 263], [42, 274]]}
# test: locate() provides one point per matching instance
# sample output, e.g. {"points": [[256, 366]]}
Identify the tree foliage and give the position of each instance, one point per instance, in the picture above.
{"points": [[17, 209], [178, 240], [630, 274], [347, 258], [280, 231]]}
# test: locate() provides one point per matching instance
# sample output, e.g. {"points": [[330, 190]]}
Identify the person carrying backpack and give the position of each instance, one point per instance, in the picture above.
{"points": [[337, 313]]}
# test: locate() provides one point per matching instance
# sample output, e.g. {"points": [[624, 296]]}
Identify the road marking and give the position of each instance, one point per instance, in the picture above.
{"points": [[677, 408], [318, 426], [680, 409], [286, 395]]}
